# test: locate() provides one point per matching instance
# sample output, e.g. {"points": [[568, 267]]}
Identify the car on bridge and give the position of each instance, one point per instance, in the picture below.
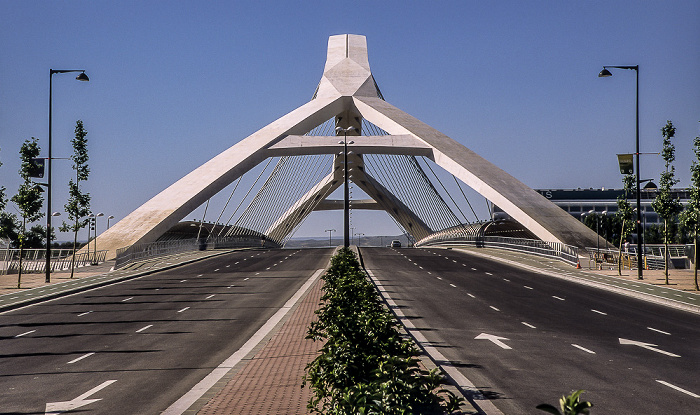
{"points": [[396, 243]]}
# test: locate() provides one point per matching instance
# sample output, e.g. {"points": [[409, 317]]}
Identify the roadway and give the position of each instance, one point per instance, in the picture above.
{"points": [[524, 338], [137, 346]]}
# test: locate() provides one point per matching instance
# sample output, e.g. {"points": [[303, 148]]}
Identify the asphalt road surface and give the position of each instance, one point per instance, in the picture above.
{"points": [[524, 338], [136, 347]]}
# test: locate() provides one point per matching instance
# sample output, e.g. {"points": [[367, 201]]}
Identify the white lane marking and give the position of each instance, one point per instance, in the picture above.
{"points": [[678, 388], [488, 273], [494, 308], [464, 265], [184, 309], [583, 348], [65, 406], [420, 267], [200, 275], [659, 331], [439, 278], [227, 266], [257, 273], [453, 286], [80, 358], [558, 298], [127, 299], [85, 313], [506, 279], [599, 312], [471, 295], [216, 269], [430, 273], [528, 325], [246, 278], [230, 286], [210, 296], [267, 268], [529, 288], [647, 346], [25, 333], [183, 280], [454, 261], [494, 339], [184, 403], [144, 328], [473, 269]]}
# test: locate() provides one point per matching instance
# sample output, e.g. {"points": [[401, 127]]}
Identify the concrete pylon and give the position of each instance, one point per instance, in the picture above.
{"points": [[347, 92]]}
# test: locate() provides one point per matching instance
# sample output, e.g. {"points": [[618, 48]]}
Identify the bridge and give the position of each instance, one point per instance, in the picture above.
{"points": [[221, 330], [385, 146]]}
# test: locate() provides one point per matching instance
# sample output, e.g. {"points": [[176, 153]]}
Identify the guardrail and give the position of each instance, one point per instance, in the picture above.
{"points": [[34, 260], [563, 252], [133, 253]]}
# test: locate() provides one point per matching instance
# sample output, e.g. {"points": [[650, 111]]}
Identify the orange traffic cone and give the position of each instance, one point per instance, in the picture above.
{"points": [[578, 264]]}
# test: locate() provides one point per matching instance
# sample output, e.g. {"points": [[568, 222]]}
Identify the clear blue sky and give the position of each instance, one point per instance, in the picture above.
{"points": [[174, 83]]}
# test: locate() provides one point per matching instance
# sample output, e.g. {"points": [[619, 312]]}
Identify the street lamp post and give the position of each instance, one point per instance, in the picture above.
{"points": [[108, 218], [604, 74], [80, 77], [95, 223], [330, 237], [359, 239], [346, 208]]}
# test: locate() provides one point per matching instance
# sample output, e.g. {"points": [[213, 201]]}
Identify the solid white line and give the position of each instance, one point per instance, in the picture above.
{"points": [[558, 298], [182, 404], [81, 358], [183, 309], [528, 325], [494, 308], [659, 331], [678, 389], [210, 296], [599, 312], [144, 328], [25, 333], [583, 348]]}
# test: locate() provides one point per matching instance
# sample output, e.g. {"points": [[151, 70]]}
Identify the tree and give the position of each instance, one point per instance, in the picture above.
{"points": [[28, 198], [624, 215], [690, 217], [664, 205], [78, 206]]}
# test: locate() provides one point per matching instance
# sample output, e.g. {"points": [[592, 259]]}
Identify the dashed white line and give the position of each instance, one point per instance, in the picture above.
{"points": [[186, 308], [85, 313], [583, 348], [494, 308], [81, 358], [679, 389], [144, 328], [216, 269], [246, 278], [439, 278], [529, 288], [488, 273], [558, 298], [210, 296], [230, 286], [183, 280], [506, 280], [453, 286], [200, 275], [528, 325], [25, 333], [471, 295], [599, 312], [127, 299], [473, 269], [659, 331]]}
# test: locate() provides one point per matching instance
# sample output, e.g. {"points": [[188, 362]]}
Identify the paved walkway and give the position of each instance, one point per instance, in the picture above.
{"points": [[269, 380]]}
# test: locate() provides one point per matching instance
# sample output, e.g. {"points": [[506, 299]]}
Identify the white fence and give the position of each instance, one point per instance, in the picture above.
{"points": [[34, 260]]}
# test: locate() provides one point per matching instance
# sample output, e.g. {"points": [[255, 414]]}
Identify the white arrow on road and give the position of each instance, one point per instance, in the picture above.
{"points": [[493, 338], [53, 408], [647, 346]]}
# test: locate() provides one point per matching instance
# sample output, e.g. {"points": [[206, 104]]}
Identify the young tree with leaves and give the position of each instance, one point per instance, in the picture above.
{"points": [[78, 206], [664, 205], [28, 198], [625, 214], [690, 217]]}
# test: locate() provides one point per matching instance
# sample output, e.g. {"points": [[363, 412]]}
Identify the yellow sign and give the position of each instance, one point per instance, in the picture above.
{"points": [[626, 163]]}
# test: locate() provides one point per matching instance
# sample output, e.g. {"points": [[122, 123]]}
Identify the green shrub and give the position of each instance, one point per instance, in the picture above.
{"points": [[365, 365]]}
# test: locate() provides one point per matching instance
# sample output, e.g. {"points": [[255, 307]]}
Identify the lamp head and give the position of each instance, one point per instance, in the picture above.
{"points": [[82, 77], [604, 73]]}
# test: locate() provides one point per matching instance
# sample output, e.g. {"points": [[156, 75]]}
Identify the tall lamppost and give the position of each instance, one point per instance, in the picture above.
{"points": [[604, 74], [95, 219], [359, 239], [330, 236], [346, 208], [108, 218], [80, 77]]}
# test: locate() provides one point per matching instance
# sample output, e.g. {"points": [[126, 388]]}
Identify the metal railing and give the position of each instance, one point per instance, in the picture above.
{"points": [[34, 260], [138, 252], [563, 252]]}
